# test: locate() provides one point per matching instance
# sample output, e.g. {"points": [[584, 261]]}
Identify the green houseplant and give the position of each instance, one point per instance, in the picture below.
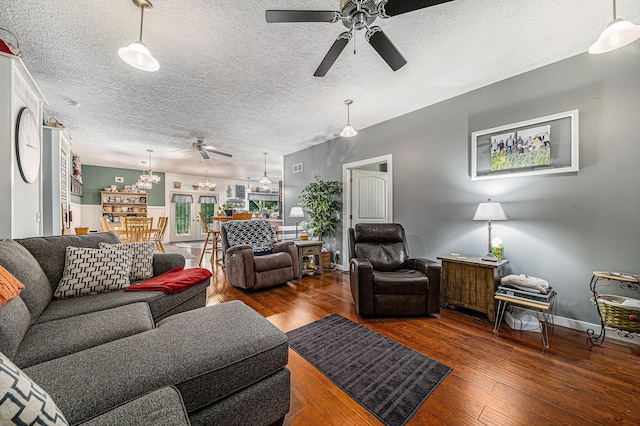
{"points": [[322, 202]]}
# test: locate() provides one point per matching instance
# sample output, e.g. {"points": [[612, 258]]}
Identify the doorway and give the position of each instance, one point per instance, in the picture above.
{"points": [[185, 215], [368, 195]]}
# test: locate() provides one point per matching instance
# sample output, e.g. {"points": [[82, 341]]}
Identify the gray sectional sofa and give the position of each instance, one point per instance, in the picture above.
{"points": [[122, 358]]}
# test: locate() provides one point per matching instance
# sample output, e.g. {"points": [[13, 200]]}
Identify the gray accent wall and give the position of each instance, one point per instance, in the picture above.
{"points": [[561, 227]]}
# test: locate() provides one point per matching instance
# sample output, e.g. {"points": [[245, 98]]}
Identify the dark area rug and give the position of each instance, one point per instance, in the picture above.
{"points": [[387, 378]]}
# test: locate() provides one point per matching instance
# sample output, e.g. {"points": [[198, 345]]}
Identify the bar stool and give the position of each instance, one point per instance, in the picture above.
{"points": [[210, 243]]}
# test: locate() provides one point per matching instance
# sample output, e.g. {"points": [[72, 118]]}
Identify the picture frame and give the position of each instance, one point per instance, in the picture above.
{"points": [[543, 145]]}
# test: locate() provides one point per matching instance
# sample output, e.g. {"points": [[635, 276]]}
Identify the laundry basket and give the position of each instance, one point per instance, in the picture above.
{"points": [[616, 314]]}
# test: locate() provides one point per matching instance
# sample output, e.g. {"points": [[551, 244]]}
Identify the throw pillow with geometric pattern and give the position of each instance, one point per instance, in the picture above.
{"points": [[256, 233], [22, 402], [142, 266], [91, 271]]}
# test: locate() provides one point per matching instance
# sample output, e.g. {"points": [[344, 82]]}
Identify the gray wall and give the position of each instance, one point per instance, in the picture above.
{"points": [[561, 227]]}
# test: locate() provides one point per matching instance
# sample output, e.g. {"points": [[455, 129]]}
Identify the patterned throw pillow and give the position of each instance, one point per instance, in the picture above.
{"points": [[22, 402], [91, 271], [256, 233], [142, 266]]}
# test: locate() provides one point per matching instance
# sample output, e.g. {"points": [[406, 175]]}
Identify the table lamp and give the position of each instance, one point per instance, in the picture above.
{"points": [[490, 211], [296, 211]]}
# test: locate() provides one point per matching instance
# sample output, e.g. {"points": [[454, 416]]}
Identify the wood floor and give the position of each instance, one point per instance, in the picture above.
{"points": [[496, 380]]}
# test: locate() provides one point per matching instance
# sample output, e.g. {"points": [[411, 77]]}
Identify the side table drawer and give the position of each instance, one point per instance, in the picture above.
{"points": [[309, 250]]}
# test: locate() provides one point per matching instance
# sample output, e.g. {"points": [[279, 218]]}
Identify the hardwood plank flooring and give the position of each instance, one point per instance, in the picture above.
{"points": [[504, 379]]}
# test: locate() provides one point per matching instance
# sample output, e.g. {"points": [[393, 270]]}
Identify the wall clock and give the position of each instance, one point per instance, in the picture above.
{"points": [[28, 145]]}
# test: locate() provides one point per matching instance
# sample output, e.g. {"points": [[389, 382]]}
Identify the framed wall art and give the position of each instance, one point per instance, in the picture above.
{"points": [[539, 146]]}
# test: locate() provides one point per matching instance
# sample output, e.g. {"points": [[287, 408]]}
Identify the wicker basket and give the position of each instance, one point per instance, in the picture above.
{"points": [[616, 315]]}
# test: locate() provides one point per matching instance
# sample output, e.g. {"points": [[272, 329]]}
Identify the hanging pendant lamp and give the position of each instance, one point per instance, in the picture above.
{"points": [[264, 180], [348, 131], [143, 181], [618, 33], [136, 54], [149, 176]]}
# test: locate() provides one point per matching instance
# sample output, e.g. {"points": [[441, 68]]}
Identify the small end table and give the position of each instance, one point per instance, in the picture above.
{"points": [[309, 248]]}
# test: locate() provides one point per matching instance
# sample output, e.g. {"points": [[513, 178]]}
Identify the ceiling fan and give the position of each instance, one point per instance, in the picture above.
{"points": [[204, 149], [356, 15]]}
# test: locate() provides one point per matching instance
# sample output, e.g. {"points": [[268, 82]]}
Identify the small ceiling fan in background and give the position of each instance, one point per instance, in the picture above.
{"points": [[204, 150], [356, 15]]}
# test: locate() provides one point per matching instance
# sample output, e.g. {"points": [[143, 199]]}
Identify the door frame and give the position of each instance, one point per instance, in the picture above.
{"points": [[346, 185]]}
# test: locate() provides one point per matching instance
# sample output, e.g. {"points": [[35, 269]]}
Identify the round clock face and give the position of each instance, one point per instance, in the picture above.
{"points": [[28, 145]]}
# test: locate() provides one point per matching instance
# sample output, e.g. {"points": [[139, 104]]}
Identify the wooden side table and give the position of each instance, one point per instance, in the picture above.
{"points": [[309, 248], [471, 282]]}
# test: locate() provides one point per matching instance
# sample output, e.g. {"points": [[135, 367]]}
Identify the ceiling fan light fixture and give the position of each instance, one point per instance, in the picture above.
{"points": [[348, 131], [136, 54], [618, 33]]}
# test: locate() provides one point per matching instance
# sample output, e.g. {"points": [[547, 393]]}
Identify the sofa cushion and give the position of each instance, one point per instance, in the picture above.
{"points": [[10, 286], [161, 407], [50, 252], [14, 323], [383, 257], [271, 261], [142, 263], [207, 353], [21, 264], [90, 271], [256, 233], [23, 402], [402, 281], [53, 339]]}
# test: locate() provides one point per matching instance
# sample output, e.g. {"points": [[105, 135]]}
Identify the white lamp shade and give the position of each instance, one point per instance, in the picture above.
{"points": [[618, 33], [138, 56], [490, 211], [348, 131], [265, 180], [296, 211]]}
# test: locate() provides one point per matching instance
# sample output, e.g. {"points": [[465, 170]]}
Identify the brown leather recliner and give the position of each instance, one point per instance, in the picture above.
{"points": [[384, 280], [252, 257]]}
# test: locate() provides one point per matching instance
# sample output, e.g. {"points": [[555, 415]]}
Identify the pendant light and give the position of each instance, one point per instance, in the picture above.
{"points": [[136, 54], [143, 181], [618, 33], [149, 177], [348, 131], [206, 184], [264, 180]]}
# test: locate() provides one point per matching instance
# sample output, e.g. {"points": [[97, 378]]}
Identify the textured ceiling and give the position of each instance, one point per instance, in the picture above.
{"points": [[247, 86]]}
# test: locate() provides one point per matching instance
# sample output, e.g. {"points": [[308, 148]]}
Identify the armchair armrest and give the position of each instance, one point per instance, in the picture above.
{"points": [[164, 262], [361, 281], [238, 262], [289, 247], [433, 271]]}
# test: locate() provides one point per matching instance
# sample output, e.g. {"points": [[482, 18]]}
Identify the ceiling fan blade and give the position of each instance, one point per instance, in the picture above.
{"points": [[276, 16], [204, 155], [385, 48], [333, 53], [215, 151], [397, 7]]}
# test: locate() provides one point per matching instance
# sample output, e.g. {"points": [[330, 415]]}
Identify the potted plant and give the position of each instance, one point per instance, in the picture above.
{"points": [[227, 209], [322, 202]]}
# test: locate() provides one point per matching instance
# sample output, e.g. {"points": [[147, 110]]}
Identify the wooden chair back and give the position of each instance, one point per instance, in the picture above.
{"points": [[104, 224], [203, 221], [242, 216], [158, 235], [138, 229]]}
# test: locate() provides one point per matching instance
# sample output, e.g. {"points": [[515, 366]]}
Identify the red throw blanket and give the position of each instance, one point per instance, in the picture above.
{"points": [[175, 280]]}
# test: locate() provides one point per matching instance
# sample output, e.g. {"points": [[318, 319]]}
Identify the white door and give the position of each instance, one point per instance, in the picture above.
{"points": [[185, 215], [368, 197]]}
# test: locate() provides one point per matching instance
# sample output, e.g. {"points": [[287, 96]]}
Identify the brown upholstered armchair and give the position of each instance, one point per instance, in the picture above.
{"points": [[252, 257], [384, 280]]}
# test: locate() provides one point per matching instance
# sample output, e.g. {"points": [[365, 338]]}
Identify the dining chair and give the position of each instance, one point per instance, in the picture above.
{"points": [[104, 224], [241, 216], [212, 242], [138, 229], [158, 233]]}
